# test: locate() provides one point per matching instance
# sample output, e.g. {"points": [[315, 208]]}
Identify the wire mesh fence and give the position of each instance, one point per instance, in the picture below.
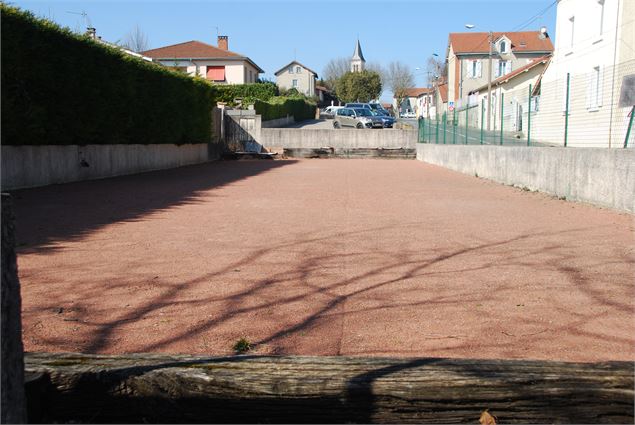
{"points": [[592, 109]]}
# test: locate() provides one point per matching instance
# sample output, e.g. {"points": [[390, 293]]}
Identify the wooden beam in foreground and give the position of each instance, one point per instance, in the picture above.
{"points": [[248, 389]]}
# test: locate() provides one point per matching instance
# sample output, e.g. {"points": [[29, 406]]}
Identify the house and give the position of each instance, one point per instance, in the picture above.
{"points": [[513, 88], [418, 100], [214, 63], [468, 57], [594, 53], [440, 102], [297, 76]]}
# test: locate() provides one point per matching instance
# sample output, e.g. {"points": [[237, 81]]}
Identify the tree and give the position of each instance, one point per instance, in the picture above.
{"points": [[136, 40], [436, 69], [358, 86], [334, 70], [399, 79]]}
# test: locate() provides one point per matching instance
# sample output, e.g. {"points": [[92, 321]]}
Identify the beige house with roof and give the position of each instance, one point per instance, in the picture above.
{"points": [[214, 63], [468, 58], [297, 76]]}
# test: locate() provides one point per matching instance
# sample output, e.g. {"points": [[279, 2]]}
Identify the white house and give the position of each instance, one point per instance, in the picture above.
{"points": [[297, 76], [594, 49], [217, 64]]}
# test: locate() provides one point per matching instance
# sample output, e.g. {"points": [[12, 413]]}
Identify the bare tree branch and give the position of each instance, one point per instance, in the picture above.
{"points": [[136, 40], [399, 78]]}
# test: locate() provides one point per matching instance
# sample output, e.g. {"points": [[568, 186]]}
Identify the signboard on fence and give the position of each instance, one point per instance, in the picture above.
{"points": [[627, 93]]}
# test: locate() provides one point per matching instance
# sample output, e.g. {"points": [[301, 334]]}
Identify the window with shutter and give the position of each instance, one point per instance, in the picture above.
{"points": [[216, 73], [508, 67], [479, 70]]}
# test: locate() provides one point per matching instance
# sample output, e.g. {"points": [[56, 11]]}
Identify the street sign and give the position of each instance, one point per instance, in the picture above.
{"points": [[450, 106]]}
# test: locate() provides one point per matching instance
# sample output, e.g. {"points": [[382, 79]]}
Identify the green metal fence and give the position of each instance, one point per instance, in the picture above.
{"points": [[575, 110]]}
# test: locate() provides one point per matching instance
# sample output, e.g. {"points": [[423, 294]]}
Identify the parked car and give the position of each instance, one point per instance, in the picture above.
{"points": [[329, 111], [408, 114], [387, 120], [376, 107], [357, 117], [358, 105]]}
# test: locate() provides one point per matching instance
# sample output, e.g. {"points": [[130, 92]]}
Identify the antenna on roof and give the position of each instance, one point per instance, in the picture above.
{"points": [[217, 32], [84, 16], [295, 54]]}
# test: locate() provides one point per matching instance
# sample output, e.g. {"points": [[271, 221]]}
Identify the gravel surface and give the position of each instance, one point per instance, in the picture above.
{"points": [[327, 257]]}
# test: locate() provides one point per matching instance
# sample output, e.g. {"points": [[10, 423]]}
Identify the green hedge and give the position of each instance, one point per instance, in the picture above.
{"points": [[280, 107], [61, 88], [247, 92]]}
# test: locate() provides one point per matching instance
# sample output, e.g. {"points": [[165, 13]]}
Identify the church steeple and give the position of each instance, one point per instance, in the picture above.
{"points": [[358, 61]]}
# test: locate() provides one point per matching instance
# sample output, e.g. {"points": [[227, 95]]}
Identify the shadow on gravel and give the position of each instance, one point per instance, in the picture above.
{"points": [[64, 212]]}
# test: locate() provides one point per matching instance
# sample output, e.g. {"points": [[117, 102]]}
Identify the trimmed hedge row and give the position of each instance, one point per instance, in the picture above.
{"points": [[61, 88], [280, 107], [247, 92]]}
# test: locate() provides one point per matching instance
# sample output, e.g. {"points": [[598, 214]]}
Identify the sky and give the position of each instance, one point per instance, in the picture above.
{"points": [[273, 33]]}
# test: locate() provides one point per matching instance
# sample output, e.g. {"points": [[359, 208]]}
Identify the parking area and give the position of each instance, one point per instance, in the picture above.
{"points": [[326, 257]]}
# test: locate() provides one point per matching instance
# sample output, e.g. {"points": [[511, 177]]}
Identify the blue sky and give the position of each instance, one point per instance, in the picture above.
{"points": [[271, 33]]}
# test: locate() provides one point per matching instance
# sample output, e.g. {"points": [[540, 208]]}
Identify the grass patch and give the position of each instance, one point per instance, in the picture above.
{"points": [[242, 346]]}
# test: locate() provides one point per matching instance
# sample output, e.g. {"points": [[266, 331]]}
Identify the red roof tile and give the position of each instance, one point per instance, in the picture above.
{"points": [[443, 91], [417, 91], [476, 42], [189, 49], [506, 77]]}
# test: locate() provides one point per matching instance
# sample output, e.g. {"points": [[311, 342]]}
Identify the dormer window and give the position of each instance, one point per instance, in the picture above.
{"points": [[503, 47]]}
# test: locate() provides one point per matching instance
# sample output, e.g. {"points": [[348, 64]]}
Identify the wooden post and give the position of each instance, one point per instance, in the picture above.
{"points": [[13, 401], [253, 389]]}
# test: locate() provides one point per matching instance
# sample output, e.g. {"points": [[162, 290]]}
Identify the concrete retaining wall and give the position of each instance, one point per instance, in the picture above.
{"points": [[604, 177], [280, 122], [272, 138], [30, 166]]}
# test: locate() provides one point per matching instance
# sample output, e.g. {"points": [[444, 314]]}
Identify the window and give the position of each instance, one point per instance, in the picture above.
{"points": [[294, 83], [601, 16], [216, 73], [474, 69], [290, 70], [594, 89], [298, 70], [503, 47], [504, 67], [355, 68], [571, 30]]}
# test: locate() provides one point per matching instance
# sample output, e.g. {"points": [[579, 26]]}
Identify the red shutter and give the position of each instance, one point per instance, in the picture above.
{"points": [[216, 73]]}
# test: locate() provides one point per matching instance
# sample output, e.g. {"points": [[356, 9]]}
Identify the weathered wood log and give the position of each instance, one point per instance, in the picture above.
{"points": [[12, 370], [247, 389]]}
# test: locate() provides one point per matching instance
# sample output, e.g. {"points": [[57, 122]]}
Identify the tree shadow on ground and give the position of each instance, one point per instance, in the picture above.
{"points": [[66, 212]]}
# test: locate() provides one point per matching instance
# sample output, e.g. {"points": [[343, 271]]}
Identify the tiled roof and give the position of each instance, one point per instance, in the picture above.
{"points": [[443, 91], [476, 42], [284, 68], [522, 69], [417, 91], [190, 49]]}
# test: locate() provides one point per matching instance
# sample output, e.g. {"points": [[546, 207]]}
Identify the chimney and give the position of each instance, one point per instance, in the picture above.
{"points": [[223, 43]]}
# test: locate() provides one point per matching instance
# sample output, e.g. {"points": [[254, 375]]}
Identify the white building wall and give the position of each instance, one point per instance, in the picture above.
{"points": [[580, 47], [236, 72]]}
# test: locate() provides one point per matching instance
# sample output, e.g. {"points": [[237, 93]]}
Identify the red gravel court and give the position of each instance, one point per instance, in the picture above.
{"points": [[325, 257]]}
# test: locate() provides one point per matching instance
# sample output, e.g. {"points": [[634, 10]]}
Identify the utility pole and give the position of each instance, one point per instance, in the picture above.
{"points": [[489, 82]]}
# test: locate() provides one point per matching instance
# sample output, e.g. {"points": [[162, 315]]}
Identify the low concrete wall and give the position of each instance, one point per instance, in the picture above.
{"points": [[604, 177], [30, 166], [280, 122], [272, 138]]}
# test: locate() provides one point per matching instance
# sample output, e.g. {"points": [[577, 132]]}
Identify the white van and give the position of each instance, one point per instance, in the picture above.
{"points": [[329, 111]]}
